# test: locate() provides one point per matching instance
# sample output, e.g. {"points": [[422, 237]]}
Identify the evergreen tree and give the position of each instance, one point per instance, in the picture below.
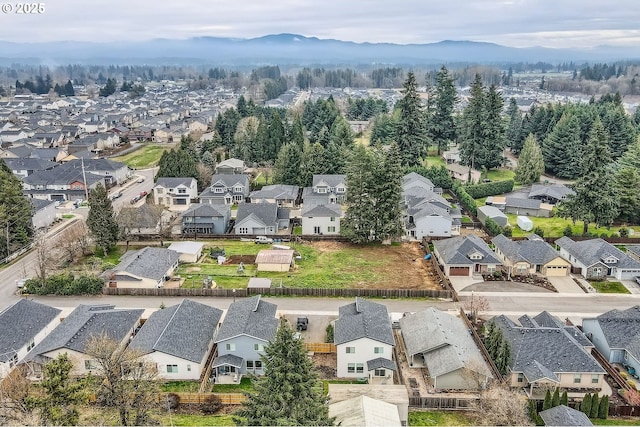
{"points": [[312, 163], [561, 149], [555, 400], [620, 130], [585, 406], [68, 89], [241, 106], [360, 216], [387, 176], [493, 131], [109, 88], [442, 128], [530, 163], [473, 119], [547, 401], [15, 213], [297, 132], [275, 137], [564, 399], [504, 355], [287, 165], [410, 129], [209, 160], [595, 406], [246, 140], [603, 411], [334, 157], [515, 127], [178, 164], [631, 158], [341, 133], [627, 183], [101, 219], [289, 393], [383, 130]]}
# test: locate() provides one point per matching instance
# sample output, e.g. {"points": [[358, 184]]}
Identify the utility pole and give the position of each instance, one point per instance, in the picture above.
{"points": [[8, 240], [84, 178]]}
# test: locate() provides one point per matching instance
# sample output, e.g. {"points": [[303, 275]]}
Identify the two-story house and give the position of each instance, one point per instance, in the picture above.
{"points": [[364, 342], [175, 193], [226, 189], [206, 219], [325, 190], [321, 219], [280, 194]]}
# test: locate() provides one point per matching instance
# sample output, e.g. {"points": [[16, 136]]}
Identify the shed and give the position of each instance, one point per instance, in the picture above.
{"points": [[494, 213], [395, 394], [524, 223], [364, 411], [259, 283], [274, 260], [189, 251]]}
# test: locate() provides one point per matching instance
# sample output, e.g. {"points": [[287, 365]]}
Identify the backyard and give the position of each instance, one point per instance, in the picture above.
{"points": [[146, 157], [555, 226], [439, 418]]}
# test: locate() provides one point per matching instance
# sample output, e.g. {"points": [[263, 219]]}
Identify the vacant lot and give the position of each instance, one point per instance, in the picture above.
{"points": [[145, 157]]}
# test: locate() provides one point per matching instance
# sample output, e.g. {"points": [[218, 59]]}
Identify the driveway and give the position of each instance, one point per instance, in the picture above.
{"points": [[503, 286], [633, 287], [461, 282], [565, 285]]}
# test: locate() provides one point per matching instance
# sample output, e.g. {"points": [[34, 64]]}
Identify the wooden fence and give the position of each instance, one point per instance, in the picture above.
{"points": [[436, 267], [474, 334], [320, 347], [440, 402], [199, 398]]}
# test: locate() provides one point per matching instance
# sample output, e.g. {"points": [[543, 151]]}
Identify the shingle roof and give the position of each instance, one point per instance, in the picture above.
{"points": [[518, 202], [323, 211], [267, 213], [414, 178], [533, 251], [174, 182], [230, 180], [491, 212], [564, 416], [621, 329], [381, 362], [29, 164], [206, 209], [277, 192], [556, 191], [363, 319], [184, 330], [593, 251], [251, 316], [331, 180], [20, 323], [456, 250], [228, 359], [148, 262]]}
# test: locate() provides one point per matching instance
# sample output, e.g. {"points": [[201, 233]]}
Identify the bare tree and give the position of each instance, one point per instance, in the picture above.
{"points": [[499, 405], [75, 240], [128, 220], [476, 372], [14, 392], [204, 173], [44, 260], [476, 304]]}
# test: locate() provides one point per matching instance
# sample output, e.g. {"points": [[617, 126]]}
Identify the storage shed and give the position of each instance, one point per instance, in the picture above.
{"points": [[274, 260], [494, 213], [189, 251]]}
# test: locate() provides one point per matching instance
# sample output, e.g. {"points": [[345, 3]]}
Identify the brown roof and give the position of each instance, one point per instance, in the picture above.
{"points": [[275, 256]]}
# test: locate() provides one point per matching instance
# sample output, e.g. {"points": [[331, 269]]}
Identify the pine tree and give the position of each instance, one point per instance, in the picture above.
{"points": [[564, 399], [297, 132], [595, 406], [287, 165], [410, 132], [631, 158], [493, 133], [555, 400], [275, 137], [561, 149], [360, 217], [585, 406], [289, 392], [341, 134], [442, 128], [619, 128], [603, 411], [547, 401], [15, 213], [473, 119], [312, 162], [530, 163], [515, 127], [101, 219], [387, 176], [627, 182]]}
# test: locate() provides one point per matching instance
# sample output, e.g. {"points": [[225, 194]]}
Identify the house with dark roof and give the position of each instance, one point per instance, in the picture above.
{"points": [[206, 219], [441, 343], [143, 268], [178, 339], [528, 207], [77, 330], [261, 219], [24, 325], [465, 256], [550, 193], [564, 416], [247, 327], [175, 193], [44, 213], [325, 190], [545, 353], [530, 256], [364, 342], [321, 219], [280, 194], [597, 259], [226, 189], [427, 213], [231, 167], [23, 167], [616, 334]]}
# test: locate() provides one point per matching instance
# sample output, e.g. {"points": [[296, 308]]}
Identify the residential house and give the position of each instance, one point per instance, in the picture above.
{"points": [[550, 193], [142, 220], [462, 173], [597, 259], [206, 219], [143, 268], [441, 342], [364, 411], [12, 135], [530, 256], [226, 190], [188, 251], [563, 415], [77, 330], [485, 212], [23, 167], [465, 256], [179, 339], [325, 190], [231, 167], [175, 193], [364, 342], [547, 354], [261, 219], [24, 325], [529, 207], [395, 394], [321, 219], [247, 327], [64, 182], [112, 171], [280, 194], [275, 260], [44, 213], [616, 334], [451, 156]]}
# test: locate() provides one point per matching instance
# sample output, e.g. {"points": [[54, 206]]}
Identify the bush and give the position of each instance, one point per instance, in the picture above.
{"points": [[329, 333], [65, 284], [173, 401], [211, 404], [507, 231], [466, 201], [624, 232], [490, 188], [568, 231], [539, 231], [493, 227]]}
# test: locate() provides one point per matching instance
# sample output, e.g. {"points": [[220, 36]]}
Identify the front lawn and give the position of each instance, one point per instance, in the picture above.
{"points": [[145, 157], [245, 385], [438, 418], [554, 227], [180, 386], [616, 422], [197, 420], [607, 287], [499, 174]]}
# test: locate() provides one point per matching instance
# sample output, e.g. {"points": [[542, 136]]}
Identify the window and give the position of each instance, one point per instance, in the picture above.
{"points": [[520, 378], [30, 345], [172, 369], [237, 198], [237, 189], [380, 372], [321, 190], [595, 378], [218, 190], [188, 368], [160, 190], [332, 219], [491, 268], [90, 365], [359, 368], [577, 378], [351, 368], [378, 350], [249, 364], [316, 230], [331, 229], [182, 191], [521, 269], [231, 347], [258, 347], [243, 230], [258, 364], [351, 350], [340, 189]]}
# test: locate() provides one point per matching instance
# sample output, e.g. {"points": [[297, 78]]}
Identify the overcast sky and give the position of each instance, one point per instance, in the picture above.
{"points": [[551, 23]]}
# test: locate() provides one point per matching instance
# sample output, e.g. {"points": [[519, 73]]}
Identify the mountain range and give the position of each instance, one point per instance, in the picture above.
{"points": [[296, 49]]}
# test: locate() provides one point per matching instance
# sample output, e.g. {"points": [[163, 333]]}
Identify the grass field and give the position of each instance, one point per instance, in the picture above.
{"points": [[616, 422], [180, 386], [197, 420], [500, 174], [434, 161], [245, 385], [145, 157], [607, 287], [554, 226], [438, 418]]}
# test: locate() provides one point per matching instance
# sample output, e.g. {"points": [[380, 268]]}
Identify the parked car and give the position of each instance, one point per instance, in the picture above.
{"points": [[20, 283], [135, 199], [143, 194], [263, 240], [140, 180], [116, 195], [638, 280]]}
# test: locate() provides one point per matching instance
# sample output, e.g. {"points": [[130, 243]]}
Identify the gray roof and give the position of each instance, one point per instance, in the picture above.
{"points": [[564, 416], [593, 251], [229, 180], [443, 338], [413, 178], [228, 359], [66, 173], [250, 316], [267, 213], [276, 192], [518, 202], [232, 163], [323, 211], [20, 323], [84, 322], [29, 164], [151, 263], [39, 204], [621, 329], [381, 362], [555, 191], [491, 212], [206, 209], [184, 330], [175, 182], [533, 251], [363, 319], [423, 208], [332, 180], [456, 250]]}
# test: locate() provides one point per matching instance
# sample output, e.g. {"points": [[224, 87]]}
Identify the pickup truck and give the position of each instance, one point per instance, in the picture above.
{"points": [[263, 240]]}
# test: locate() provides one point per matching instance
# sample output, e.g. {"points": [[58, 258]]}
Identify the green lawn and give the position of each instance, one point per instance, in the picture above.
{"points": [[616, 422], [465, 220], [554, 226], [145, 157], [68, 216], [500, 174], [180, 386], [607, 287], [438, 418], [481, 201], [245, 385], [434, 161], [197, 420]]}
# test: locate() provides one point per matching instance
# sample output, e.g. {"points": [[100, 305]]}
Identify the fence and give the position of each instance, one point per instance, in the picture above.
{"points": [[436, 402], [443, 278], [199, 398], [320, 347], [474, 334], [613, 373], [624, 411]]}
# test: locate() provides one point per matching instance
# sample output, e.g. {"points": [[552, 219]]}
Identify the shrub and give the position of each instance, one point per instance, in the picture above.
{"points": [[493, 227], [466, 201], [211, 404], [490, 188], [539, 231], [603, 411], [65, 284], [624, 232], [329, 331], [568, 231], [507, 230], [173, 401]]}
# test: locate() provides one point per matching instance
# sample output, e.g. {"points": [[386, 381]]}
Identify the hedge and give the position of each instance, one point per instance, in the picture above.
{"points": [[65, 284], [493, 227], [490, 188], [466, 201]]}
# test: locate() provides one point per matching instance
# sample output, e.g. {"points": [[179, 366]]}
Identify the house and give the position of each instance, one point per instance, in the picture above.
{"points": [[321, 219], [451, 156], [616, 334], [462, 173], [206, 219], [633, 251], [143, 220], [529, 207], [280, 194], [530, 256], [261, 219], [364, 342], [246, 329], [23, 167], [175, 193], [465, 256], [415, 180], [428, 214], [441, 342], [226, 189], [494, 213], [550, 193], [178, 339], [275, 260], [143, 268], [364, 411], [395, 394], [64, 182], [231, 167], [545, 353], [325, 190], [44, 213], [188, 251], [24, 325], [597, 259], [73, 334], [564, 416]]}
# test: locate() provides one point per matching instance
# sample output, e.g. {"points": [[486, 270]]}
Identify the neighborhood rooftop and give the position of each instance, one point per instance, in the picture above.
{"points": [[363, 319]]}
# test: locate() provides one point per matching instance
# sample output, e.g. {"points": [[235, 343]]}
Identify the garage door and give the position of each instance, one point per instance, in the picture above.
{"points": [[557, 270], [458, 271]]}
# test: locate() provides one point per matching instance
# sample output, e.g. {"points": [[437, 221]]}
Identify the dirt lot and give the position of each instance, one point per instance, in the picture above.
{"points": [[403, 266]]}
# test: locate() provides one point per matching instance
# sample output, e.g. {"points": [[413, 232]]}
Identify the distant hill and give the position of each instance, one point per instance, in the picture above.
{"points": [[297, 49]]}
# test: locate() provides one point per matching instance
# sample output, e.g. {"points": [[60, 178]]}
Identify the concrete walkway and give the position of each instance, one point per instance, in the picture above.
{"points": [[566, 285]]}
